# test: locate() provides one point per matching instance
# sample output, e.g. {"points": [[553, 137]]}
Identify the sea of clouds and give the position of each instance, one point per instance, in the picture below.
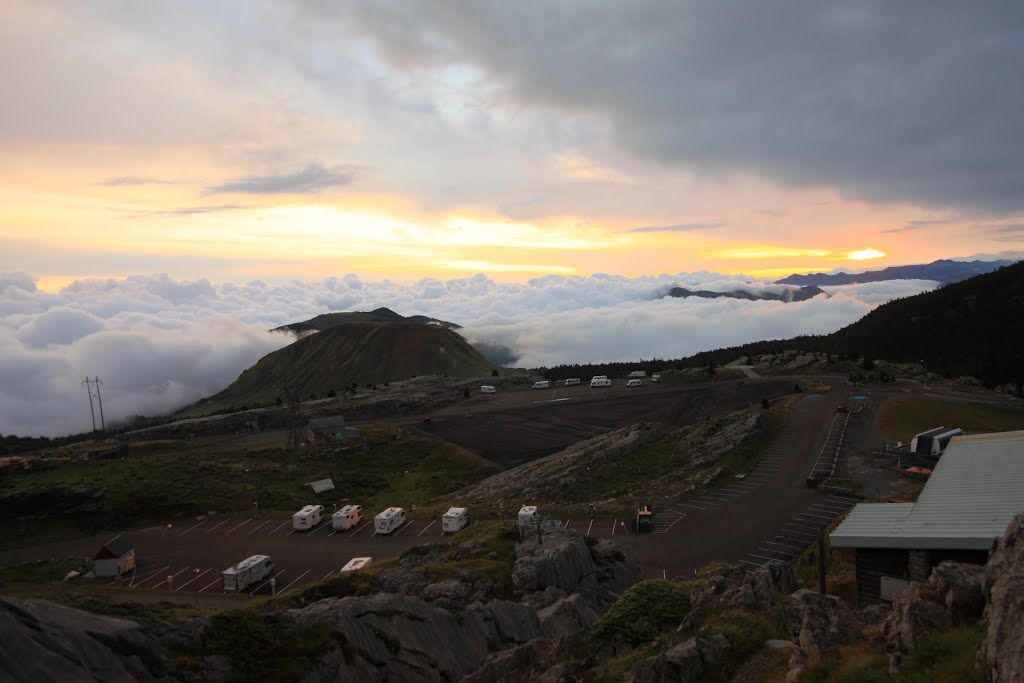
{"points": [[158, 343]]}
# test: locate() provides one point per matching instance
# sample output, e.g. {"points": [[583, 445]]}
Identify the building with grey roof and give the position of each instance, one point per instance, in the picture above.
{"points": [[975, 491]]}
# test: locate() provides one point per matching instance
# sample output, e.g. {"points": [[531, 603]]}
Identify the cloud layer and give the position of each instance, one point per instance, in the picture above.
{"points": [[158, 343]]}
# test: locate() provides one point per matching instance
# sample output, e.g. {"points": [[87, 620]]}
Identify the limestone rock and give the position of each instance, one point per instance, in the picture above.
{"points": [[1003, 585], [684, 663], [825, 621], [567, 618], [448, 594]]}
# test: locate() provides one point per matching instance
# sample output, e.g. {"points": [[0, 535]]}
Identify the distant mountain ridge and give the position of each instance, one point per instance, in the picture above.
{"points": [[326, 321], [944, 271], [801, 294]]}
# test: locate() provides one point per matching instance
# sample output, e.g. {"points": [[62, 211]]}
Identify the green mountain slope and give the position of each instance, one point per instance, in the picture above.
{"points": [[360, 352]]}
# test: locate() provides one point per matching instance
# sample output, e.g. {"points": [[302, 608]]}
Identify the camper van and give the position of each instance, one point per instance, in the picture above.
{"points": [[347, 517], [655, 377], [308, 517], [600, 381], [634, 382], [357, 563], [487, 389], [249, 571], [543, 384], [572, 381], [638, 374], [527, 513], [389, 520], [454, 519]]}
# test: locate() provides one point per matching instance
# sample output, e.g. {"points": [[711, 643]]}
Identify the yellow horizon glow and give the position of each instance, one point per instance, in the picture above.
{"points": [[865, 254]]}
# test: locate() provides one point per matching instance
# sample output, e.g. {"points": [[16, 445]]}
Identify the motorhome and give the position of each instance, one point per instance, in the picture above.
{"points": [[572, 381], [347, 517], [543, 384], [634, 382], [487, 389], [527, 514], [638, 374], [389, 520], [655, 377], [933, 441], [357, 563], [248, 572], [454, 519], [308, 517], [600, 381]]}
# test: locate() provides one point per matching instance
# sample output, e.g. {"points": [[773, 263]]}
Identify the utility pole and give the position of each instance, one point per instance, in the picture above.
{"points": [[103, 422], [88, 388]]}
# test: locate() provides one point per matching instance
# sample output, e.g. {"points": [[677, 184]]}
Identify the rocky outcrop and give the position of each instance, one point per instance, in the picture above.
{"points": [[684, 663], [1003, 586], [43, 642], [734, 587], [952, 594], [825, 621], [557, 563]]}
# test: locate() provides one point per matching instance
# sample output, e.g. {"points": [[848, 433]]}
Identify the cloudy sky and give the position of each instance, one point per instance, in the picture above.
{"points": [[187, 171]]}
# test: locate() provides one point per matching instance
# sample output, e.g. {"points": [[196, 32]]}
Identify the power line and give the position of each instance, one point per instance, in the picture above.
{"points": [[90, 386]]}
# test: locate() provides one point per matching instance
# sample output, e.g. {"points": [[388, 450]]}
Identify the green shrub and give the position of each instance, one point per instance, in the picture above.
{"points": [[642, 613]]}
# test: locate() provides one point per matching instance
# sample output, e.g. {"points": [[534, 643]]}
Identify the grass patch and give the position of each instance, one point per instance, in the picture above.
{"points": [[948, 656], [746, 633], [261, 647], [162, 611], [853, 664], [643, 611], [901, 420], [390, 466], [35, 573], [493, 561]]}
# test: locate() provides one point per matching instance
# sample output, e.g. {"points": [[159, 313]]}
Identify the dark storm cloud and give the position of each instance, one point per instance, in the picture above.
{"points": [[310, 180], [684, 227], [911, 101]]}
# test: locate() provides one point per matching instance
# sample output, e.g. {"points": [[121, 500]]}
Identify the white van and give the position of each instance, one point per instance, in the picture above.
{"points": [[600, 381], [249, 571], [527, 513], [655, 377], [572, 381], [454, 519], [357, 563], [543, 384], [347, 517], [638, 374], [487, 389], [389, 520], [308, 517], [634, 382]]}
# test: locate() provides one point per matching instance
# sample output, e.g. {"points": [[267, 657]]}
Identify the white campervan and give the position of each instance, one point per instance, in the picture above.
{"points": [[247, 572], [527, 513], [357, 563], [487, 389], [600, 381], [572, 381], [634, 382], [454, 519], [543, 384], [389, 520], [308, 517], [347, 517], [638, 374]]}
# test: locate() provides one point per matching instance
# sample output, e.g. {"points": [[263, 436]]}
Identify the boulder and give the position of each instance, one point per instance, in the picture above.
{"points": [[448, 594], [825, 621], [1003, 584], [569, 617], [686, 662]]}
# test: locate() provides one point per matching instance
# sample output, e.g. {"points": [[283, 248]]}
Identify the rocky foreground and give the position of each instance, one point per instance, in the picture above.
{"points": [[418, 628]]}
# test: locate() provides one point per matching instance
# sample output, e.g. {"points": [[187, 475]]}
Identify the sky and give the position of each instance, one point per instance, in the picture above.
{"points": [[152, 153]]}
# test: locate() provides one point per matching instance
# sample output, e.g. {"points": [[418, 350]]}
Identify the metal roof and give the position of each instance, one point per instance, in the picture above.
{"points": [[321, 485], [321, 423], [117, 547], [976, 490]]}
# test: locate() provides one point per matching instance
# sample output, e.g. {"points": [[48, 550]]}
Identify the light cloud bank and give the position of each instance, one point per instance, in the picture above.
{"points": [[158, 343]]}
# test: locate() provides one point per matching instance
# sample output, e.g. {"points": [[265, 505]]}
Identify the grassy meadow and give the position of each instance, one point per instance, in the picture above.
{"points": [[901, 420], [65, 498]]}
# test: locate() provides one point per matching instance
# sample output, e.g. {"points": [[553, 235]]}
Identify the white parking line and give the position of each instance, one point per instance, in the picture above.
{"points": [[276, 528], [215, 581], [614, 524], [695, 507], [761, 557], [813, 516], [323, 525], [726, 496], [163, 579], [752, 564], [216, 525], [427, 527], [193, 579], [328, 575], [293, 582], [566, 524], [591, 526], [193, 527], [360, 528], [241, 525], [149, 576], [260, 526]]}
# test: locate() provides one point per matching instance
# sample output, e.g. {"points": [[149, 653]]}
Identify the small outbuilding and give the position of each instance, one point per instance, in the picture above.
{"points": [[116, 558], [324, 431], [971, 497]]}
